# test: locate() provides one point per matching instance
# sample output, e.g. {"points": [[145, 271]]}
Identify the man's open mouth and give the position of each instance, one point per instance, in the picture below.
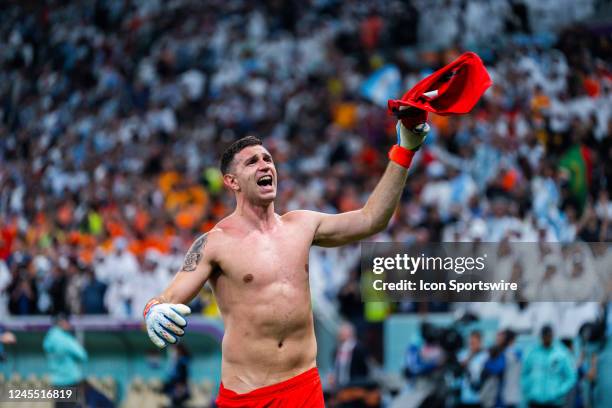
{"points": [[264, 181]]}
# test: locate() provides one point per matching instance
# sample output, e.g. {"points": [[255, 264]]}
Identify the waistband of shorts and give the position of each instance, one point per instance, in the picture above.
{"points": [[305, 378]]}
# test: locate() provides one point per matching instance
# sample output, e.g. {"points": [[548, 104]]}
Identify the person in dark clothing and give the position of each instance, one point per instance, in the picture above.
{"points": [[23, 296], [92, 294], [404, 24], [493, 373], [350, 358], [177, 385], [349, 299], [57, 292]]}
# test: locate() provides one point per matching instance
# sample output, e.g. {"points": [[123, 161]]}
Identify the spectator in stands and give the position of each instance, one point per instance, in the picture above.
{"points": [[151, 278], [92, 294], [349, 300], [57, 291], [583, 282], [123, 267], [548, 373], [350, 358], [472, 361], [511, 395], [100, 266], [65, 355], [23, 293], [75, 282], [121, 261], [493, 373]]}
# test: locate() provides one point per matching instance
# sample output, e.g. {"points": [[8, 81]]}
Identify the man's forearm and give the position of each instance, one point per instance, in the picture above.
{"points": [[351, 226], [165, 297], [384, 199], [190, 278], [184, 287], [161, 299]]}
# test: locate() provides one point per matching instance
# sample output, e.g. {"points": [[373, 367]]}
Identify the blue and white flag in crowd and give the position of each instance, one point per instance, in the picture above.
{"points": [[384, 84]]}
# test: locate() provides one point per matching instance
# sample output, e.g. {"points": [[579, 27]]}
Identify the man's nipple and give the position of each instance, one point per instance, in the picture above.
{"points": [[247, 278]]}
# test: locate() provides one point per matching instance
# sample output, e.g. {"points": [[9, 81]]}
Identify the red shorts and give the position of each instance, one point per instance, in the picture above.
{"points": [[302, 391]]}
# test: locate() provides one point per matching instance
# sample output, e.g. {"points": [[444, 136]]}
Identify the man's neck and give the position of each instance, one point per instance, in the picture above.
{"points": [[261, 217]]}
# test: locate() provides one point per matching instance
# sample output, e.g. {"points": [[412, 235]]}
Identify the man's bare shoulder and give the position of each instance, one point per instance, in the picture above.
{"points": [[303, 216], [208, 240], [228, 229], [217, 234]]}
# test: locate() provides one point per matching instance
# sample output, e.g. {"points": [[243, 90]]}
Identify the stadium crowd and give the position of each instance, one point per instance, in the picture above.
{"points": [[113, 115]]}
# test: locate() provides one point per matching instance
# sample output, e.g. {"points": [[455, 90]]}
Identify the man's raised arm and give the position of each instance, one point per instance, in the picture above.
{"points": [[344, 228], [165, 314]]}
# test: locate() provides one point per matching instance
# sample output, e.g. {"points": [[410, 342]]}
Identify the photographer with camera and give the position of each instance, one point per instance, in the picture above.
{"points": [[427, 365]]}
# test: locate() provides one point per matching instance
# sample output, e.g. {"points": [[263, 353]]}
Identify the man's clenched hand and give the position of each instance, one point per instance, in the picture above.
{"points": [[165, 322], [411, 132], [411, 139]]}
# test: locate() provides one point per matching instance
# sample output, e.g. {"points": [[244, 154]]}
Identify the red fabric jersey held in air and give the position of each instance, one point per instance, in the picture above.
{"points": [[451, 90]]}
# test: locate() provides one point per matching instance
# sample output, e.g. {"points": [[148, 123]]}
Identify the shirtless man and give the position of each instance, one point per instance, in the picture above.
{"points": [[257, 264]]}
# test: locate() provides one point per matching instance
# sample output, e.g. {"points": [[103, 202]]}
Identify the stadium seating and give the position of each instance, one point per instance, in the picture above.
{"points": [[114, 114]]}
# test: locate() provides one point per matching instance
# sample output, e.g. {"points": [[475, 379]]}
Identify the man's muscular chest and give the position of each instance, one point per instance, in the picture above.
{"points": [[256, 260]]}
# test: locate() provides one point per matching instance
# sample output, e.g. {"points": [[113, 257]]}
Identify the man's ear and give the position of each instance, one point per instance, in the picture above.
{"points": [[230, 182]]}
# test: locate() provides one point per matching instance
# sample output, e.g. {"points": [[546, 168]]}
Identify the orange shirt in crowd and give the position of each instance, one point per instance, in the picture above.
{"points": [[345, 115], [167, 180], [539, 101]]}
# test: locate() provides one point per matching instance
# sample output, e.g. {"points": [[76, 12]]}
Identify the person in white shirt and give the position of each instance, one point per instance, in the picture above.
{"points": [[122, 266], [511, 393], [150, 279]]}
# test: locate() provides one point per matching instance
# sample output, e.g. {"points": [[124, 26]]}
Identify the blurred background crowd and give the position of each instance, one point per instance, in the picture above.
{"points": [[114, 113]]}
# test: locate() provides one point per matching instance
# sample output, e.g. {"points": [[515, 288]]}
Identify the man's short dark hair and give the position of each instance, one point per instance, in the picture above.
{"points": [[234, 148]]}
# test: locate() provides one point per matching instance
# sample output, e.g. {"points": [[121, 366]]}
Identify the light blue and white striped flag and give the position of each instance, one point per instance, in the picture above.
{"points": [[384, 84]]}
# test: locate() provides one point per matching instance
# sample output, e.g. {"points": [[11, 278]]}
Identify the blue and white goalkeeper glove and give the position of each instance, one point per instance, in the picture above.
{"points": [[165, 322]]}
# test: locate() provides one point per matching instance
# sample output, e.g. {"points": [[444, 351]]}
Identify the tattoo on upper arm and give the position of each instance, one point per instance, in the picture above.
{"points": [[194, 256]]}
